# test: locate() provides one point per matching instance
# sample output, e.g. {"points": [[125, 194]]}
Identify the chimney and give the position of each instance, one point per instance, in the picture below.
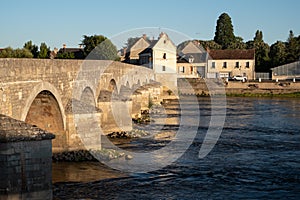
{"points": [[161, 34], [144, 36], [64, 46], [196, 42]]}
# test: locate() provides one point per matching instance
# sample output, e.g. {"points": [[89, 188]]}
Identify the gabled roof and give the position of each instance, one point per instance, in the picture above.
{"points": [[140, 45], [190, 47], [148, 50], [232, 54], [197, 57], [155, 43]]}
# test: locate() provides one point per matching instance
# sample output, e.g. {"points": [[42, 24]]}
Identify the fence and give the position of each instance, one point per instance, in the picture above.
{"points": [[264, 76]]}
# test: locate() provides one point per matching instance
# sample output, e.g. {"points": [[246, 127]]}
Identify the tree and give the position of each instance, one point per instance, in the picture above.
{"points": [[65, 55], [237, 44], [32, 48], [44, 51], [22, 53], [224, 35], [210, 44], [15, 53], [262, 49], [292, 48], [99, 47], [278, 54], [7, 53]]}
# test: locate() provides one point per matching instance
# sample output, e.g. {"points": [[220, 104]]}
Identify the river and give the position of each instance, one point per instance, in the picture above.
{"points": [[256, 157]]}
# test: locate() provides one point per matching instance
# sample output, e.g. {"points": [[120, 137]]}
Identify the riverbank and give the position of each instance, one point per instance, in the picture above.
{"points": [[207, 87]]}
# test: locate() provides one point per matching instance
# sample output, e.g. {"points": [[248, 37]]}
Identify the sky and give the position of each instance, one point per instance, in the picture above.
{"points": [[59, 22]]}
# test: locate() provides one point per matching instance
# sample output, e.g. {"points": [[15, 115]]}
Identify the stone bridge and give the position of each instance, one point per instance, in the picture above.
{"points": [[56, 95]]}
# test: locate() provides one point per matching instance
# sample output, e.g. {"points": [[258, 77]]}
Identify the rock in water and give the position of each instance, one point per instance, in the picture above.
{"points": [[128, 157]]}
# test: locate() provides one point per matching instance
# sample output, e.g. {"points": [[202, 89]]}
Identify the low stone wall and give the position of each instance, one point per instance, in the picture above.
{"points": [[199, 86], [25, 161]]}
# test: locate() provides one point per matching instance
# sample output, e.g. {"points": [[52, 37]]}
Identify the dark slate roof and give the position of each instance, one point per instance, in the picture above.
{"points": [[148, 50], [12, 130], [232, 54], [198, 57]]}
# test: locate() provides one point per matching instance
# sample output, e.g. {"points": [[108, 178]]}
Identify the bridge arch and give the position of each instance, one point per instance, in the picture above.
{"points": [[112, 86], [44, 109], [88, 97], [44, 86]]}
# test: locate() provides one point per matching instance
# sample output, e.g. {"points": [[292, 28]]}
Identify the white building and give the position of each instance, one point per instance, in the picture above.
{"points": [[160, 56]]}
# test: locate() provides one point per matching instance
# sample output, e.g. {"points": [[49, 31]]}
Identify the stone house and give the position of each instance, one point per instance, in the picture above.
{"points": [[191, 60], [160, 56], [228, 63], [131, 53]]}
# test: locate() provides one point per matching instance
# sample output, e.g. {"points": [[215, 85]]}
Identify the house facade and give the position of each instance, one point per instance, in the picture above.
{"points": [[229, 63], [191, 61], [160, 56]]}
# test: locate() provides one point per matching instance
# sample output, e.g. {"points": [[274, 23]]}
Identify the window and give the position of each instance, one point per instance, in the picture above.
{"points": [[163, 68], [165, 56], [213, 65], [224, 64], [181, 69], [237, 65], [247, 64]]}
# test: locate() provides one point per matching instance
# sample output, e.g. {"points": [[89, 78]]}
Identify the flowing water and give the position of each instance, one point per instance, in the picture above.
{"points": [[256, 157]]}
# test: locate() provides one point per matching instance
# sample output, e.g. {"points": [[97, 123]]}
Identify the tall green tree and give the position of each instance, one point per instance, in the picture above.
{"points": [[44, 51], [224, 34], [99, 47], [237, 44], [210, 44], [278, 54], [293, 50], [262, 49], [32, 48]]}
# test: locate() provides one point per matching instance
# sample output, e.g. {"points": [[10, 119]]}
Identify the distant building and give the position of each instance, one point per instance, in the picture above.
{"points": [[77, 52], [191, 61], [131, 53], [287, 71], [228, 63], [160, 56]]}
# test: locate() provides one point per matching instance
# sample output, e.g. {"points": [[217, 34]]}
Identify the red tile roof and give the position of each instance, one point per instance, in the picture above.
{"points": [[232, 54]]}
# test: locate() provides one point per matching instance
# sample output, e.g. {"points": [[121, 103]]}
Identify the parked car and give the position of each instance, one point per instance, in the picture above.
{"points": [[239, 78]]}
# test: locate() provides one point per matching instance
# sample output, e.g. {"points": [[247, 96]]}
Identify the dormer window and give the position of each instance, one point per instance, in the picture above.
{"points": [[191, 59], [164, 56]]}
